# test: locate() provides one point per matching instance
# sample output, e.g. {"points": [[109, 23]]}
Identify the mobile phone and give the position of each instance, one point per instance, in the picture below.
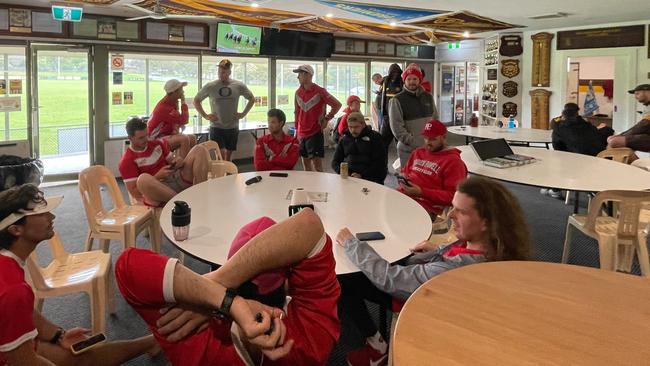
{"points": [[402, 179], [85, 345], [372, 235], [283, 175]]}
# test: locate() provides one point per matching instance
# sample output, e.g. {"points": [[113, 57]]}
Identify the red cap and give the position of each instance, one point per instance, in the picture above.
{"points": [[434, 128], [353, 98], [412, 70], [267, 281]]}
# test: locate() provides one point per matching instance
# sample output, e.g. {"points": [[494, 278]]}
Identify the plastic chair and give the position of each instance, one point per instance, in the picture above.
{"points": [[617, 236], [620, 154], [441, 223], [88, 272], [221, 168], [123, 222], [214, 152]]}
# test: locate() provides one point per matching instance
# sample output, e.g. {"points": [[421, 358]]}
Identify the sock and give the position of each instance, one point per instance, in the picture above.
{"points": [[378, 343]]}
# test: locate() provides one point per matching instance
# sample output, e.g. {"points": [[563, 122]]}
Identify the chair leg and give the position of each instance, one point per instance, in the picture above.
{"points": [[155, 235], [89, 241], [110, 290], [104, 244], [98, 306], [625, 257], [642, 254], [608, 252], [568, 236]]}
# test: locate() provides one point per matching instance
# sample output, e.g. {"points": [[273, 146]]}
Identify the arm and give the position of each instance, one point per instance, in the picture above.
{"points": [[558, 144], [396, 280], [46, 330], [456, 172], [343, 125], [335, 106], [338, 158], [251, 101], [184, 116], [397, 124], [259, 157], [25, 355], [288, 157], [641, 128]]}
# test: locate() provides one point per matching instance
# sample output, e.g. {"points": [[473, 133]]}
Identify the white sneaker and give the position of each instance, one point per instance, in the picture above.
{"points": [[544, 191]]}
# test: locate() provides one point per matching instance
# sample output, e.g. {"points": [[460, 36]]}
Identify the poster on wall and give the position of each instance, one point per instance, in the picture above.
{"points": [[10, 104], [3, 86], [176, 33], [265, 101], [117, 98], [106, 29], [15, 86], [283, 99], [20, 20], [258, 102], [128, 97], [117, 78]]}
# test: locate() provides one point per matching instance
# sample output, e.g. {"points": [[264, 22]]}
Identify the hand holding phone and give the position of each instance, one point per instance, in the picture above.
{"points": [[402, 179], [85, 345]]}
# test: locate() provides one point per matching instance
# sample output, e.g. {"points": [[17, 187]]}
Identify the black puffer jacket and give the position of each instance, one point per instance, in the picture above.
{"points": [[576, 135], [365, 154]]}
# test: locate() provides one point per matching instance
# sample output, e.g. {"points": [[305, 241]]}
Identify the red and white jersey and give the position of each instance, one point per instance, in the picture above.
{"points": [[166, 119], [16, 304], [310, 106], [149, 160]]}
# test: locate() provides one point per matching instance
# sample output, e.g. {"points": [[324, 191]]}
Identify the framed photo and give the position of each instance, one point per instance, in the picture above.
{"points": [[176, 33], [20, 20], [106, 29]]}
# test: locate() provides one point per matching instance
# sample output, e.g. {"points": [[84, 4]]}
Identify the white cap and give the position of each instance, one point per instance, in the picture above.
{"points": [[305, 68], [47, 205], [174, 84]]}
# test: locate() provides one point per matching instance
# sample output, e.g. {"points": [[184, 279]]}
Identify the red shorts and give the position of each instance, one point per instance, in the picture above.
{"points": [[139, 275]]}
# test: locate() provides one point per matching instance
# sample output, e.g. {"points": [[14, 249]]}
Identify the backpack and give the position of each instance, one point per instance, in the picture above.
{"points": [[334, 134]]}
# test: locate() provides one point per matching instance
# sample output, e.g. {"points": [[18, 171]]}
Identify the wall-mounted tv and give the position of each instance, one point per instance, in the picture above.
{"points": [[297, 44], [237, 38]]}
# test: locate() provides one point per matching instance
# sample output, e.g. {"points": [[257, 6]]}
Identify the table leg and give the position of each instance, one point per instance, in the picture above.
{"points": [[466, 140], [576, 202]]}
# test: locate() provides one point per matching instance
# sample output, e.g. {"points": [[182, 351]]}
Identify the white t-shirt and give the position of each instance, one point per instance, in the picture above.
{"points": [[224, 100]]}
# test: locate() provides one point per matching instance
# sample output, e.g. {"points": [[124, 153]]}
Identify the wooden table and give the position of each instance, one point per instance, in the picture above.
{"points": [[526, 313], [520, 135]]}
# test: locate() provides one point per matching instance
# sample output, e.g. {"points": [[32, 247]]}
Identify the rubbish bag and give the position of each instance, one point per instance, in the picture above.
{"points": [[15, 170]]}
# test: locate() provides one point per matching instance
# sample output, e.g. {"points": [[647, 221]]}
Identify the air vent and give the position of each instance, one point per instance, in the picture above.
{"points": [[549, 16]]}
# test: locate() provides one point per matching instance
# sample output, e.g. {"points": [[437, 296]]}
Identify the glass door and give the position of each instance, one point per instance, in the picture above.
{"points": [[446, 95], [345, 79], [13, 94], [62, 121]]}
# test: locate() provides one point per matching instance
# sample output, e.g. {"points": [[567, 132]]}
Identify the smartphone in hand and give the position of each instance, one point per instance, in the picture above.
{"points": [[85, 345], [372, 235], [402, 179]]}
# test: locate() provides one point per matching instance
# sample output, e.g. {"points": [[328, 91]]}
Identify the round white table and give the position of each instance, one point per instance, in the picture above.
{"points": [[221, 206], [525, 135], [563, 170]]}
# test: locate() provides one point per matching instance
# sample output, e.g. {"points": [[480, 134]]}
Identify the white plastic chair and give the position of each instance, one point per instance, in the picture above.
{"points": [[68, 273], [221, 168]]}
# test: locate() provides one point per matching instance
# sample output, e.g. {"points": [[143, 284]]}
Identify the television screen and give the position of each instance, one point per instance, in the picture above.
{"points": [[297, 44], [237, 38]]}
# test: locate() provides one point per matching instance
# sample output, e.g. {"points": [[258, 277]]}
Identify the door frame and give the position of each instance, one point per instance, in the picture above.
{"points": [[34, 124]]}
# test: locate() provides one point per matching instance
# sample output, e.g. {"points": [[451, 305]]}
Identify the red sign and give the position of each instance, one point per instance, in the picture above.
{"points": [[117, 62]]}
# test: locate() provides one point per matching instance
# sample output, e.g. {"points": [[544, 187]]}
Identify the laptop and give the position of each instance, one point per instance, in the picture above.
{"points": [[497, 153]]}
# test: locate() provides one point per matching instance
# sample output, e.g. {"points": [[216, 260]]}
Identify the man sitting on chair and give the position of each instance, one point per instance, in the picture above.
{"points": [[276, 150], [26, 337], [151, 173], [288, 265], [166, 120]]}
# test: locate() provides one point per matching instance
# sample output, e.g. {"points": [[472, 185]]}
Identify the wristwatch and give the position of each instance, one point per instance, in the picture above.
{"points": [[57, 336], [228, 298]]}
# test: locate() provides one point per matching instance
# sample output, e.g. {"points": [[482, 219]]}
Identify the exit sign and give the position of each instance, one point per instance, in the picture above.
{"points": [[453, 45], [67, 13]]}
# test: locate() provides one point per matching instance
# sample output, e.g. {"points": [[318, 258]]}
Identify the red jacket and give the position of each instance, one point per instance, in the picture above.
{"points": [[426, 86], [166, 119], [273, 155], [437, 174]]}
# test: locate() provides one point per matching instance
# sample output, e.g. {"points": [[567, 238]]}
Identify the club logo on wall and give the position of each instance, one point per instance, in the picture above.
{"points": [[510, 89], [510, 68], [509, 108], [511, 46]]}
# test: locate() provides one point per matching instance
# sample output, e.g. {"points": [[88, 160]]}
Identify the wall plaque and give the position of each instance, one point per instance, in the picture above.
{"points": [[630, 36], [541, 59], [539, 108]]}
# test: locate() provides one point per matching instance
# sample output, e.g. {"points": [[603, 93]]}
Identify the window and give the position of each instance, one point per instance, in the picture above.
{"points": [[345, 79], [141, 86], [286, 83], [253, 72], [12, 63]]}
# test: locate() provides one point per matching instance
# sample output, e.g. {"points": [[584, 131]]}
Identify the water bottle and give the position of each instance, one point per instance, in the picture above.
{"points": [[511, 121], [181, 214]]}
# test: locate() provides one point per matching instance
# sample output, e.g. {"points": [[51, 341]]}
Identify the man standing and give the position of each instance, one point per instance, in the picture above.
{"points": [[433, 171], [363, 150], [166, 119], [409, 111], [224, 96], [311, 101], [26, 336], [277, 150], [637, 137], [392, 85], [151, 173]]}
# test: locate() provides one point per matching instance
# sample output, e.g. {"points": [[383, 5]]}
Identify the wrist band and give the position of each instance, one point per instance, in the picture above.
{"points": [[57, 336], [228, 298]]}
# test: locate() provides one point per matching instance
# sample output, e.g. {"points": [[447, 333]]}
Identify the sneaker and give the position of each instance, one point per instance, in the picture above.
{"points": [[367, 356], [544, 191], [555, 193]]}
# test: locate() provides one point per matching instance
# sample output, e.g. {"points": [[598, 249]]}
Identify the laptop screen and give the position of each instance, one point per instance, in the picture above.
{"points": [[488, 149]]}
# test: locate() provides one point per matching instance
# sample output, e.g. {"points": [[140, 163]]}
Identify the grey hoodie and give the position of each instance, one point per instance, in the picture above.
{"points": [[401, 281]]}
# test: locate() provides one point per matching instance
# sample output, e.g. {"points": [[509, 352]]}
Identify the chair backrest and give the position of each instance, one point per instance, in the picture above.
{"points": [[630, 204], [90, 181], [35, 271], [620, 154], [222, 168], [214, 152], [442, 239]]}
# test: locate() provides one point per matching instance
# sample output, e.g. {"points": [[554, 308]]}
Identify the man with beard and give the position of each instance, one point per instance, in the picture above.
{"points": [[637, 137], [409, 111]]}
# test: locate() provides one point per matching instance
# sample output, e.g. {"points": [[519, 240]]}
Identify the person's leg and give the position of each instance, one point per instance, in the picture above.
{"points": [[307, 164], [318, 150], [318, 164], [154, 191], [227, 154], [230, 137], [192, 139], [195, 167], [111, 353]]}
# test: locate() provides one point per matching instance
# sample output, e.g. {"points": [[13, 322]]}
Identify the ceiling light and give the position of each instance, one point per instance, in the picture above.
{"points": [[255, 5], [559, 14], [329, 15], [466, 34]]}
